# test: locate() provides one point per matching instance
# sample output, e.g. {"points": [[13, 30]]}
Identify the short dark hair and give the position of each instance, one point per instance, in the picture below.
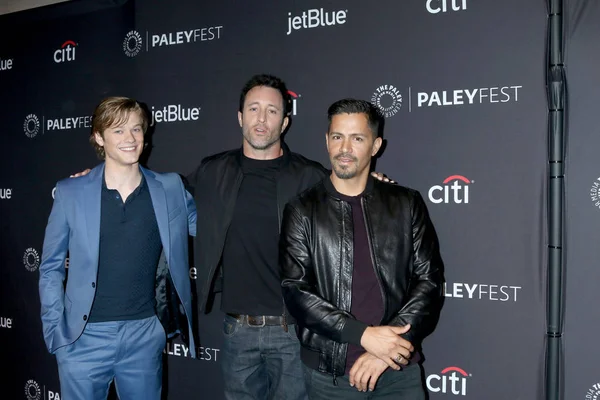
{"points": [[268, 81], [374, 115]]}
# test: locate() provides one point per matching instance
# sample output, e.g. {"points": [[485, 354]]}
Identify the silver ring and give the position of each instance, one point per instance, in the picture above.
{"points": [[399, 358]]}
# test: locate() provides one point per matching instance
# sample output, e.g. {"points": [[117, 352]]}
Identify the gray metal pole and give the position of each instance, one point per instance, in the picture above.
{"points": [[556, 88]]}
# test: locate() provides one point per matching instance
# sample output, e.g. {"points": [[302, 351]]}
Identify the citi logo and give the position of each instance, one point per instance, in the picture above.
{"points": [[457, 184], [5, 194], [437, 6], [294, 97], [5, 322], [6, 64], [66, 52], [452, 380], [175, 113], [315, 17]]}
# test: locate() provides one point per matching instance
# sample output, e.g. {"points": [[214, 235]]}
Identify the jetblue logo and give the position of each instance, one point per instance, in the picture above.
{"points": [[6, 64], [315, 17]]}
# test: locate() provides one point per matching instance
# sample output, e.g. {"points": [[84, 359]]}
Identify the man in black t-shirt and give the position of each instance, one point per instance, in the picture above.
{"points": [[242, 194]]}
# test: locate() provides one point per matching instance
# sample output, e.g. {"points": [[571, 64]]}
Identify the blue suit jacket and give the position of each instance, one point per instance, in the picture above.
{"points": [[74, 227]]}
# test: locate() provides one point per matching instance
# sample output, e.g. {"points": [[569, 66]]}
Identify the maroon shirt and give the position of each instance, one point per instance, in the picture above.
{"points": [[367, 295]]}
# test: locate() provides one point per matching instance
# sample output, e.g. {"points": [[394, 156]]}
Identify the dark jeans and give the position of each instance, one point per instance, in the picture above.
{"points": [[406, 385], [261, 362]]}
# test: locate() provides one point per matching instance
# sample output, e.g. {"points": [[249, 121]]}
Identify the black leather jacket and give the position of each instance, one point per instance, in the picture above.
{"points": [[316, 251], [215, 185]]}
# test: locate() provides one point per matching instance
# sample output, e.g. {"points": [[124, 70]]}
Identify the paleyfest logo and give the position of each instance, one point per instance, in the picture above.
{"points": [[133, 42]]}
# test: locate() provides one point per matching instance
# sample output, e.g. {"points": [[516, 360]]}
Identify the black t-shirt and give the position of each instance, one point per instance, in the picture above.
{"points": [[251, 278]]}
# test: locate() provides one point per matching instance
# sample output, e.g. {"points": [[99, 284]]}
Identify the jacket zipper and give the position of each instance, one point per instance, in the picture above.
{"points": [[284, 313], [362, 204]]}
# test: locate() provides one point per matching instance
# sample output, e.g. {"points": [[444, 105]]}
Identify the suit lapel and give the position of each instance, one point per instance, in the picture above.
{"points": [[159, 202], [92, 198]]}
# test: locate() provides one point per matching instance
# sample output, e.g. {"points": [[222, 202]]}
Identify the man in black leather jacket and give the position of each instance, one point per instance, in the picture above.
{"points": [[361, 270]]}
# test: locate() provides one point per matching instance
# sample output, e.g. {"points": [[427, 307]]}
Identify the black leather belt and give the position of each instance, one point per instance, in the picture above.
{"points": [[260, 320]]}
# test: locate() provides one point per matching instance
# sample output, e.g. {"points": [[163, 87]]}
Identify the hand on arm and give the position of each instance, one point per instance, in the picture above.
{"points": [[82, 173], [190, 206], [385, 343], [381, 176]]}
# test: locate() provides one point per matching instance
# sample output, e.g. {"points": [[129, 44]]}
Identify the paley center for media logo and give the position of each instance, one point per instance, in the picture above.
{"points": [[593, 393], [66, 52], [595, 193], [7, 64], [454, 189], [452, 380], [315, 17], [32, 124], [31, 259], [34, 392], [481, 291], [133, 43], [388, 99], [442, 6]]}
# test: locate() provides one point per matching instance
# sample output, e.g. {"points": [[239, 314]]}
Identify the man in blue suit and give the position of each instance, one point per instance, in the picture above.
{"points": [[125, 230]]}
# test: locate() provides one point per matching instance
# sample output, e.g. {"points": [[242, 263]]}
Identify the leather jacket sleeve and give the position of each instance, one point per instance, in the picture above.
{"points": [[425, 298], [299, 284]]}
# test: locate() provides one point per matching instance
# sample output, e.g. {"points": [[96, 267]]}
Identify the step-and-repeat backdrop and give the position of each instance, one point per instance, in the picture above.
{"points": [[582, 316], [461, 82]]}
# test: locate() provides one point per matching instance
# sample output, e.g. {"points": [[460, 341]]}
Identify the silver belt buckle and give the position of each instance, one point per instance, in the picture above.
{"points": [[264, 321]]}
